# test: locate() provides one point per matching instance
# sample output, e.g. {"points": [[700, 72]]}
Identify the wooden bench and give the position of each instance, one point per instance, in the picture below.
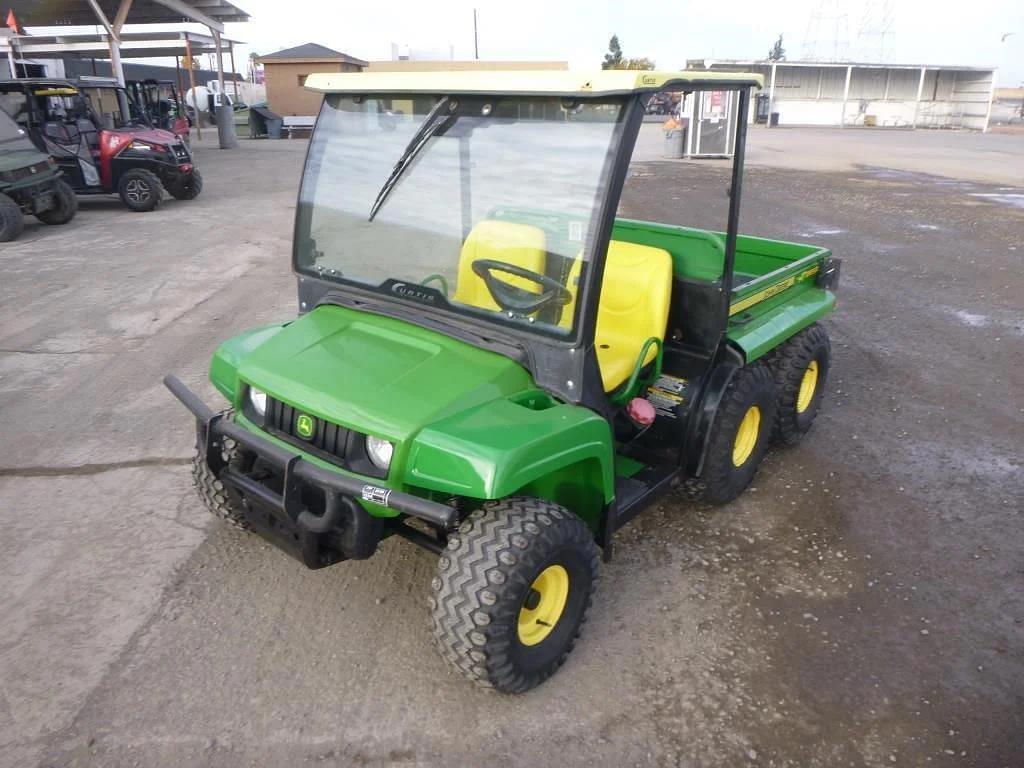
{"points": [[300, 124]]}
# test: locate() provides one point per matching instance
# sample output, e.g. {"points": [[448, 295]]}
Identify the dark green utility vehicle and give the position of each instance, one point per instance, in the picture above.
{"points": [[490, 364], [30, 184]]}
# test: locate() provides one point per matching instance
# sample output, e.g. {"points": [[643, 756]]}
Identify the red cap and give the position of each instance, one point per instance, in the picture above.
{"points": [[640, 412]]}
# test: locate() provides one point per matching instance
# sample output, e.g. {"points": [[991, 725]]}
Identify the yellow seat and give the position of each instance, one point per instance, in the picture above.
{"points": [[518, 244], [635, 295]]}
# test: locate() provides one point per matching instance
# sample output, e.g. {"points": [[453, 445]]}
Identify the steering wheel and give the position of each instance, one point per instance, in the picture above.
{"points": [[511, 298]]}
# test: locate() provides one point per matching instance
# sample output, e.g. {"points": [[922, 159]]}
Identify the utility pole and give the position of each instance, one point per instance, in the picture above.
{"points": [[476, 43]]}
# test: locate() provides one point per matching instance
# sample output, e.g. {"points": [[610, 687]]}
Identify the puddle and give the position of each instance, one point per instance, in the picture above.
{"points": [[817, 232], [1012, 199], [971, 319]]}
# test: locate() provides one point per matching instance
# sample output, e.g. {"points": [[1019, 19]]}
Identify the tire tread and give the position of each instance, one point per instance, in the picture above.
{"points": [[488, 556]]}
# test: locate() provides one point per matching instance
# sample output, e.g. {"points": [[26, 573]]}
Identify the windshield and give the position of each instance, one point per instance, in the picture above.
{"points": [[10, 131], [479, 206]]}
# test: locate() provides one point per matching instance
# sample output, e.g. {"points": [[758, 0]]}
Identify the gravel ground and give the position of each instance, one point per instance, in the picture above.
{"points": [[860, 606]]}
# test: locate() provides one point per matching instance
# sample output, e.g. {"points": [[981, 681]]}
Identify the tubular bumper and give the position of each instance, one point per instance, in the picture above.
{"points": [[212, 427]]}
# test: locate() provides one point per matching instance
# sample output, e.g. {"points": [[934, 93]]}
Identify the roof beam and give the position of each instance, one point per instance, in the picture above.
{"points": [[189, 12], [122, 14], [102, 17]]}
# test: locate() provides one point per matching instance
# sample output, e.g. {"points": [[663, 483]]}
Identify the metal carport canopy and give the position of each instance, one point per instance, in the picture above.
{"points": [[134, 45], [64, 13], [114, 14]]}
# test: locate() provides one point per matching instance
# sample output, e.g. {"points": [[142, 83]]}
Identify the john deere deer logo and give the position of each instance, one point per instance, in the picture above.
{"points": [[304, 426]]}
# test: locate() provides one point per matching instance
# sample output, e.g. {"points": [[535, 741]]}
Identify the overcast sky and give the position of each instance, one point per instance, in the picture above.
{"points": [[668, 31]]}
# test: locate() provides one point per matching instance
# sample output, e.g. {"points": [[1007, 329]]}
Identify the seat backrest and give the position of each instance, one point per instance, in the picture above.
{"points": [[88, 132], [518, 244], [631, 271], [635, 292]]}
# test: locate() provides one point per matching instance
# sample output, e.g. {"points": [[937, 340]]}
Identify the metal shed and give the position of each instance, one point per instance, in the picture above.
{"points": [[844, 94]]}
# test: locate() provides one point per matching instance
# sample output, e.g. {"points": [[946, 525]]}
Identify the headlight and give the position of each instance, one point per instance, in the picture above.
{"points": [[258, 400], [379, 451]]}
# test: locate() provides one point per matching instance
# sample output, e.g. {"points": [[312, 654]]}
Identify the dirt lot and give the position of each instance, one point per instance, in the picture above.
{"points": [[863, 605]]}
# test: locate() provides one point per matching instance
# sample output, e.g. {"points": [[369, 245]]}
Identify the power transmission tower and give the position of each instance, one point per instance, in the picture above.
{"points": [[875, 33], [828, 32]]}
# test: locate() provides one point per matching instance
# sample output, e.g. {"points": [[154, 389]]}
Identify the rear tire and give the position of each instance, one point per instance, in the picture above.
{"points": [[65, 205], [211, 490], [140, 190], [11, 221], [739, 436], [800, 367], [512, 591], [188, 189]]}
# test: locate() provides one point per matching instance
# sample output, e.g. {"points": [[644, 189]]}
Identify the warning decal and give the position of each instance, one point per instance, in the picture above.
{"points": [[667, 394]]}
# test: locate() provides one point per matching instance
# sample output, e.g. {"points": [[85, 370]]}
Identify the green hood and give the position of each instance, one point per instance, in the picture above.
{"points": [[375, 374]]}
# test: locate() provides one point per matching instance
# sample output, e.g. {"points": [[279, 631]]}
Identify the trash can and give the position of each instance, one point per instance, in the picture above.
{"points": [[774, 121], [675, 140]]}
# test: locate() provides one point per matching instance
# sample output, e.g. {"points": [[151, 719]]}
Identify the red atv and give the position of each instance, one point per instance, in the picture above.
{"points": [[102, 141]]}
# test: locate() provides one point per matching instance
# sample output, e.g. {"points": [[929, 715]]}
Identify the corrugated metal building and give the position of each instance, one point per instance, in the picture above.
{"points": [[855, 93]]}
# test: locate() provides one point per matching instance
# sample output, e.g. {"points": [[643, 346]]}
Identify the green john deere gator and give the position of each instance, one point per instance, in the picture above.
{"points": [[30, 183], [491, 365]]}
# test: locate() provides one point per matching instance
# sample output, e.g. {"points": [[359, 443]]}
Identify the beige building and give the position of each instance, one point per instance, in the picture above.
{"points": [[285, 74]]}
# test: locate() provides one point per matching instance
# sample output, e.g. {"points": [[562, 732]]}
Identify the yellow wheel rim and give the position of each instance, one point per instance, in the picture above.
{"points": [[746, 436], [543, 605], [808, 384]]}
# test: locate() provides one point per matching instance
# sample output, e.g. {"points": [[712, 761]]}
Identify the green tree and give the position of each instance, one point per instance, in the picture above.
{"points": [[777, 52], [613, 59], [641, 63]]}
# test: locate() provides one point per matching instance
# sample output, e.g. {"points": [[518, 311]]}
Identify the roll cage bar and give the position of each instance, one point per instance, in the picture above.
{"points": [[567, 368]]}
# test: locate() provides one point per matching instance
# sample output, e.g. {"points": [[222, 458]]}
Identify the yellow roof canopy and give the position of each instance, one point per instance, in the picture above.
{"points": [[610, 82]]}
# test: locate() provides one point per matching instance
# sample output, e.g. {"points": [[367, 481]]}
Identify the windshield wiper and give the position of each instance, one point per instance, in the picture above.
{"points": [[419, 140]]}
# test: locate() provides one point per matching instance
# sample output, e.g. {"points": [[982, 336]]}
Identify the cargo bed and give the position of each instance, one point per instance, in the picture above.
{"points": [[775, 290]]}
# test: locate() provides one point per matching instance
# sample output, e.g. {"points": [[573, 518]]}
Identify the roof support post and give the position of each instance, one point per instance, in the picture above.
{"points": [[225, 112], [917, 100], [220, 58], [10, 58], [991, 96], [771, 96], [189, 62], [115, 60], [691, 128], [732, 228], [234, 72], [846, 96]]}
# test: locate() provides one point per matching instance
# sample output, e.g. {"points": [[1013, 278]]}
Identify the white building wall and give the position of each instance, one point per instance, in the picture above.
{"points": [[885, 96]]}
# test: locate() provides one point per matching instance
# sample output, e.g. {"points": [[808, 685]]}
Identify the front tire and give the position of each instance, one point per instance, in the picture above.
{"points": [[512, 592], [739, 436], [800, 367], [187, 189], [140, 190], [65, 205], [11, 221], [211, 490]]}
